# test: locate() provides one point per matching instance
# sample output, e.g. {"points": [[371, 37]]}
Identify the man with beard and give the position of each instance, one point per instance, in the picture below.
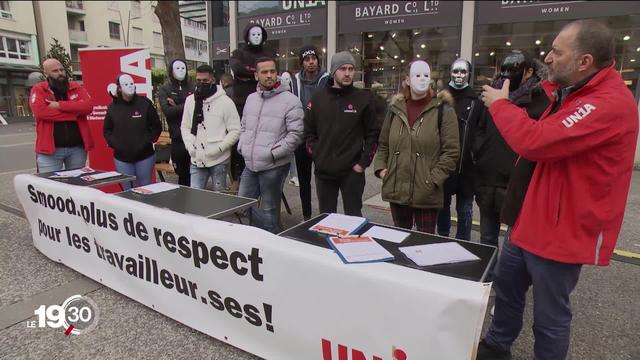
{"points": [[460, 181], [271, 130], [172, 97], [60, 107], [584, 146], [341, 134], [305, 84]]}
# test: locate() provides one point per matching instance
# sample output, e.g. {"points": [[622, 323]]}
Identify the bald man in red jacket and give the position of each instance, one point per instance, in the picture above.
{"points": [[584, 146], [60, 107]]}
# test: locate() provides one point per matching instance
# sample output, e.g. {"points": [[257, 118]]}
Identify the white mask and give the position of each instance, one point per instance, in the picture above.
{"points": [[285, 77], [126, 85], [419, 77], [459, 74], [255, 36], [179, 70]]}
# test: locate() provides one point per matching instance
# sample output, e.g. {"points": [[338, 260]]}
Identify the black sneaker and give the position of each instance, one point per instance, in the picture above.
{"points": [[486, 352]]}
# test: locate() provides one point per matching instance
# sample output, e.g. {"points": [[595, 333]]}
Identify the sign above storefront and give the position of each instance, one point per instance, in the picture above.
{"points": [[392, 15], [297, 23], [499, 12]]}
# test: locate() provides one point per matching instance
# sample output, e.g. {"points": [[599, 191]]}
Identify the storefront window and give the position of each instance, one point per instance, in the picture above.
{"points": [[384, 37], [493, 41], [290, 25], [382, 56]]}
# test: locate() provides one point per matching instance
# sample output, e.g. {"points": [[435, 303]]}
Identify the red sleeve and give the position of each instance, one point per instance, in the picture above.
{"points": [[42, 111], [563, 134], [80, 106]]}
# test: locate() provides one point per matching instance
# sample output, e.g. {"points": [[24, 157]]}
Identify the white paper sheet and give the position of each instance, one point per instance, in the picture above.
{"points": [[441, 253], [104, 175], [73, 173], [383, 233], [339, 224], [355, 249], [155, 188]]}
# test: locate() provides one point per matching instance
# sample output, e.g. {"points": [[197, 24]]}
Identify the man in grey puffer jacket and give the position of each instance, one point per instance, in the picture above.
{"points": [[271, 129]]}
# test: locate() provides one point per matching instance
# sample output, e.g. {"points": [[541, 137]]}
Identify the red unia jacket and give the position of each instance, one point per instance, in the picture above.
{"points": [[76, 108], [575, 203]]}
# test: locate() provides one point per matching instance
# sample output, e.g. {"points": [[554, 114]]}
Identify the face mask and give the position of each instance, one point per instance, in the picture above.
{"points": [[179, 70], [204, 90], [459, 74], [512, 68], [127, 86], [419, 77], [285, 78], [255, 36]]}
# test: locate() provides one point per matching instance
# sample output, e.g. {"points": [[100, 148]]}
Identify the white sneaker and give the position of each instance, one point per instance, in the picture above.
{"points": [[294, 181]]}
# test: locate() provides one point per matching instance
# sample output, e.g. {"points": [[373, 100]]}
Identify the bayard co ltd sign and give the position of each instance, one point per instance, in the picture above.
{"points": [[390, 15], [290, 21]]}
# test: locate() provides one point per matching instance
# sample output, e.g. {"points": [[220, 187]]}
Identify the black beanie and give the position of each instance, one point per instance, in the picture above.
{"points": [[308, 50]]}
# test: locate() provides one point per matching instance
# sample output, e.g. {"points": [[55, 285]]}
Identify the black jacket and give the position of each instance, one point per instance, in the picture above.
{"points": [[340, 130], [131, 128], [535, 104], [178, 91], [243, 63], [468, 110]]}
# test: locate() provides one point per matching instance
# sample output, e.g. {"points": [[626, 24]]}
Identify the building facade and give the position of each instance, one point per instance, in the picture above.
{"points": [[385, 36], [19, 55]]}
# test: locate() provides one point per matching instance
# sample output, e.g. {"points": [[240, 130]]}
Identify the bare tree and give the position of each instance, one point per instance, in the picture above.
{"points": [[169, 15]]}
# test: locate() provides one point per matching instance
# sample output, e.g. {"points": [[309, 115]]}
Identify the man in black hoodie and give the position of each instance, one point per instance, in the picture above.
{"points": [[460, 182], [172, 97], [341, 135], [243, 64], [305, 84], [494, 159]]}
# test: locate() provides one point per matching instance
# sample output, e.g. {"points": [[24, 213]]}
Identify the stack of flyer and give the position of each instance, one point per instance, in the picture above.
{"points": [[350, 248]]}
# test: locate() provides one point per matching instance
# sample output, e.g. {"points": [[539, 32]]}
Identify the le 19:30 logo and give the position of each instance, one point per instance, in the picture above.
{"points": [[77, 315]]}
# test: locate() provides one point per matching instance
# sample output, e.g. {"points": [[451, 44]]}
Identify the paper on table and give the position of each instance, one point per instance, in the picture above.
{"points": [[338, 224], [384, 233], [73, 173], [104, 175], [355, 249], [440, 253], [155, 188]]}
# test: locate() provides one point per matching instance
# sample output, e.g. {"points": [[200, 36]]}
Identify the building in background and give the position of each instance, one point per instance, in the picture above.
{"points": [[385, 36], [19, 56], [80, 24], [194, 32], [27, 29]]}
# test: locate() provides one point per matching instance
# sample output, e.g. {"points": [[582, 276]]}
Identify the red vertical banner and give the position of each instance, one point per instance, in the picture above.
{"points": [[100, 67]]}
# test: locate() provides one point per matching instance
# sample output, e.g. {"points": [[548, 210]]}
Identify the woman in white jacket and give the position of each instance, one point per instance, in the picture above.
{"points": [[210, 127]]}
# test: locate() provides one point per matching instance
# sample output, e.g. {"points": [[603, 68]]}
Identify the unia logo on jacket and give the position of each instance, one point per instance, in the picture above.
{"points": [[350, 109], [580, 114]]}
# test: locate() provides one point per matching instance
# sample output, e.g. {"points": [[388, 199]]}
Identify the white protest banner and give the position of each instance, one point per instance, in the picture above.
{"points": [[271, 296]]}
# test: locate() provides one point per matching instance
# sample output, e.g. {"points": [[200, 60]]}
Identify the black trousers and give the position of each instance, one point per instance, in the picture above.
{"points": [[351, 186], [180, 157], [304, 164]]}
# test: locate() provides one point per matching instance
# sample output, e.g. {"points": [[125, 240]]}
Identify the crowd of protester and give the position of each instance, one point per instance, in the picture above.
{"points": [[547, 149]]}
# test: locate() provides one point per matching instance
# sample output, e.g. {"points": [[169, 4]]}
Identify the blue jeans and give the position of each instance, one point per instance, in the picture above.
{"points": [[464, 209], [218, 174], [552, 284], [266, 185], [142, 170], [71, 157]]}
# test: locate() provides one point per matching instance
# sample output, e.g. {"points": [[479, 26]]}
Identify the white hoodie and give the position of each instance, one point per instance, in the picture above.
{"points": [[218, 132]]}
